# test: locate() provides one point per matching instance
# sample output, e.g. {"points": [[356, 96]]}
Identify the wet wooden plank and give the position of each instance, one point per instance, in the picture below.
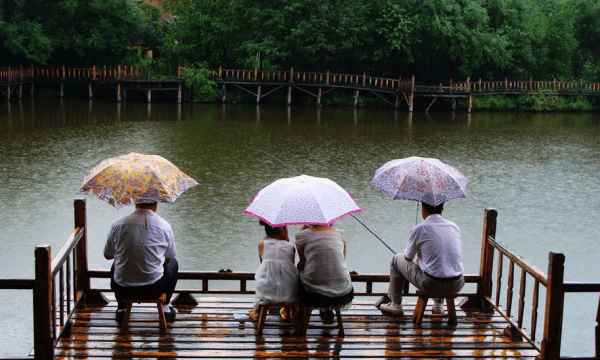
{"points": [[210, 331]]}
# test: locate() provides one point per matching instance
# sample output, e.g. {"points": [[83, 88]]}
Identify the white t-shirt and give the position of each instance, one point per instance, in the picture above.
{"points": [[437, 243], [325, 270], [139, 243]]}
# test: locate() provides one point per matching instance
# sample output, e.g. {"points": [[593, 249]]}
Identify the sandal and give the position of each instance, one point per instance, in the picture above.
{"points": [[285, 314], [253, 314]]}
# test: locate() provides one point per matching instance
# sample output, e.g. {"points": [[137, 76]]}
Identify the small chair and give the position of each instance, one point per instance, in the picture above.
{"points": [[422, 305], [159, 301], [308, 312], [264, 309]]}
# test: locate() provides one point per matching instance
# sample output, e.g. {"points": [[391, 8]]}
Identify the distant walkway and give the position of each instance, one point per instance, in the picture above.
{"points": [[260, 83]]}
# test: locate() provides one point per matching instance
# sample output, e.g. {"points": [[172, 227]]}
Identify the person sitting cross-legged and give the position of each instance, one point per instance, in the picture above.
{"points": [[438, 272]]}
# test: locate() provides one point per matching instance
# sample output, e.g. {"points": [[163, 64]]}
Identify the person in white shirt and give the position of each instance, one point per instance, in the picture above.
{"points": [[144, 266], [438, 269]]}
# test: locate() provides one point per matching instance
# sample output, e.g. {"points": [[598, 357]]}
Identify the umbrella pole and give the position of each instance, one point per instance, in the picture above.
{"points": [[360, 222], [417, 215]]}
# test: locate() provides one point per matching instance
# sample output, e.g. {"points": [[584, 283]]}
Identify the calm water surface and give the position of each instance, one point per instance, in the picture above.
{"points": [[538, 170]]}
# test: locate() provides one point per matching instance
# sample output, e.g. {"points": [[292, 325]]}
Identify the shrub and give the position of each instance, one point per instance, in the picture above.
{"points": [[203, 88]]}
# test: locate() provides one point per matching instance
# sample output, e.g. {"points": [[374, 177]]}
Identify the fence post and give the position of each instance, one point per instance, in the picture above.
{"points": [[412, 94], [484, 288], [83, 280], [555, 297], [598, 331], [43, 343]]}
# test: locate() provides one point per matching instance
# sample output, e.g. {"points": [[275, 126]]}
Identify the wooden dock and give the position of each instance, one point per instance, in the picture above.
{"points": [[74, 320], [212, 329]]}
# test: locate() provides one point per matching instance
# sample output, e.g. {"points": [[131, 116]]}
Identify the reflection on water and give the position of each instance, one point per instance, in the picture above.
{"points": [[538, 170]]}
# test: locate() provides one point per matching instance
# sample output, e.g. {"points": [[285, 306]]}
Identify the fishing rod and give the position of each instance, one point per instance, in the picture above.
{"points": [[360, 222]]}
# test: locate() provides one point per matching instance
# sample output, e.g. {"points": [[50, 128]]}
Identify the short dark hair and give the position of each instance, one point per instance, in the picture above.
{"points": [[146, 205], [434, 209], [270, 230]]}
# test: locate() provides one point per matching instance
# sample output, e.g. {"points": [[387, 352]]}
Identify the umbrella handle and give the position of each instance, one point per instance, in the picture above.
{"points": [[417, 215]]}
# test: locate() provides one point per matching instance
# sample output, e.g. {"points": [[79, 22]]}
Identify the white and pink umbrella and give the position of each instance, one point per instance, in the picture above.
{"points": [[425, 180], [302, 200]]}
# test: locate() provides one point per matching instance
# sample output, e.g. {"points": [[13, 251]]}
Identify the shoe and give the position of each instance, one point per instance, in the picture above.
{"points": [[285, 314], [253, 314], [170, 316], [438, 310], [390, 309], [120, 315], [326, 315]]}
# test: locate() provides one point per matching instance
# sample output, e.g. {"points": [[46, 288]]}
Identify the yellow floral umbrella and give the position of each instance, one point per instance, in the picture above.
{"points": [[135, 178]]}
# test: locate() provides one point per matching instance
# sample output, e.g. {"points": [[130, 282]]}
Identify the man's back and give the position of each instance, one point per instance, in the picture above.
{"points": [[437, 242], [139, 243]]}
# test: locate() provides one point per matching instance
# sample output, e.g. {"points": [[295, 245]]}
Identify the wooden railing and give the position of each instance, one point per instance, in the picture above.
{"points": [[519, 86], [552, 281], [65, 274], [308, 77], [102, 73], [16, 75]]}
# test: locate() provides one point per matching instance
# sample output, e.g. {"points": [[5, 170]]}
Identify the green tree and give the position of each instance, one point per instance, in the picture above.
{"points": [[206, 30], [94, 31], [22, 35]]}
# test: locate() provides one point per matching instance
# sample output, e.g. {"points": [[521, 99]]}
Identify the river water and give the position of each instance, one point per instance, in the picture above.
{"points": [[538, 170]]}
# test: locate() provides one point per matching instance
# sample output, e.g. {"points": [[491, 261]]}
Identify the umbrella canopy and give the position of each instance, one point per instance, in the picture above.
{"points": [[302, 200], [135, 178], [421, 179]]}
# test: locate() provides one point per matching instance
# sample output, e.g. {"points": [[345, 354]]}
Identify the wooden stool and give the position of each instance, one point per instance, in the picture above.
{"points": [[264, 309], [422, 305], [308, 312], [159, 301]]}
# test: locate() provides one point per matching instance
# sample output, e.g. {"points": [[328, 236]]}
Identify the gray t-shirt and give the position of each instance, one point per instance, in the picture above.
{"points": [[139, 242], [325, 270], [437, 243]]}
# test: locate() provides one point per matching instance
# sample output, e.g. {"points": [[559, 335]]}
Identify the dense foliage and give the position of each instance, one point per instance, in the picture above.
{"points": [[435, 40]]}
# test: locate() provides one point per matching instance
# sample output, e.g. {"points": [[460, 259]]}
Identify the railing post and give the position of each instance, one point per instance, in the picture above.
{"points": [[484, 288], [82, 280], [412, 94], [598, 331], [43, 342], [555, 297]]}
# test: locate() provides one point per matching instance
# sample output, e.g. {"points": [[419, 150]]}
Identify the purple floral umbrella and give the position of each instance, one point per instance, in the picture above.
{"points": [[302, 200], [420, 179]]}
